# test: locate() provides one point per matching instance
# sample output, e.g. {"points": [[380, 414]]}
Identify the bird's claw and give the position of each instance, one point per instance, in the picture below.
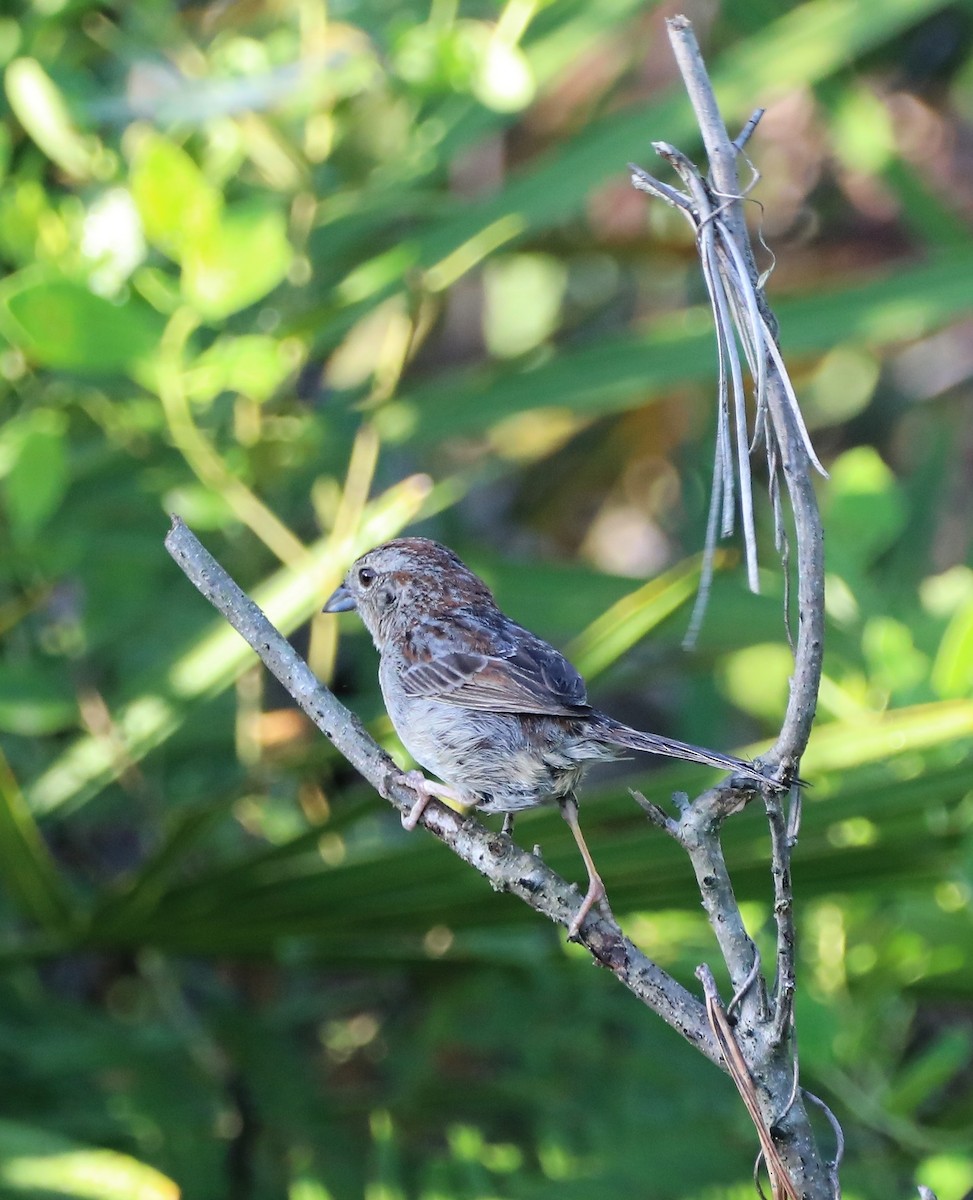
{"points": [[595, 894], [426, 790]]}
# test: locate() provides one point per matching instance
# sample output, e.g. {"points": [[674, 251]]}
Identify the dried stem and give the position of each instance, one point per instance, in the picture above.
{"points": [[740, 1074], [796, 460]]}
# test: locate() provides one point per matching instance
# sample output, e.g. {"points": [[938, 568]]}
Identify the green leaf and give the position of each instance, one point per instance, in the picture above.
{"points": [[60, 324], [503, 79], [841, 745], [238, 263], [769, 662]]}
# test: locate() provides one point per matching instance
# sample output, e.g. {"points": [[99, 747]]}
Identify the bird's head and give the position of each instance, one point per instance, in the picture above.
{"points": [[400, 582]]}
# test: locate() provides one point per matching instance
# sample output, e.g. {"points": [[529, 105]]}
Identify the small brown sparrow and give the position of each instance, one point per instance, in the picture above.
{"points": [[499, 715]]}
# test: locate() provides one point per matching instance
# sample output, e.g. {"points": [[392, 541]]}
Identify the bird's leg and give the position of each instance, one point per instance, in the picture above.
{"points": [[426, 789], [508, 824], [596, 889]]}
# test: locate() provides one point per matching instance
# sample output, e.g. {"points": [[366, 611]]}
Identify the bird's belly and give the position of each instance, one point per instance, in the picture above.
{"points": [[502, 762]]}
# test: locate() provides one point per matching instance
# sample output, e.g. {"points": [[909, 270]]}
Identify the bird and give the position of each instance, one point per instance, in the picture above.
{"points": [[497, 714]]}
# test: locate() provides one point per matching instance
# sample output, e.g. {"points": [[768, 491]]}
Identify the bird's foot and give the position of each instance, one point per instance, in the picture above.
{"points": [[595, 894], [426, 790]]}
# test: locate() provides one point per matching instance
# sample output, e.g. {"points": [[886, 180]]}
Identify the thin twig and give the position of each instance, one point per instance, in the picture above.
{"points": [[744, 135], [745, 986], [780, 857], [642, 181], [657, 815], [839, 1137], [698, 833]]}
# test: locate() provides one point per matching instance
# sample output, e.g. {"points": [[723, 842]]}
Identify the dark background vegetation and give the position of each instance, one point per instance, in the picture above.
{"points": [[313, 274]]}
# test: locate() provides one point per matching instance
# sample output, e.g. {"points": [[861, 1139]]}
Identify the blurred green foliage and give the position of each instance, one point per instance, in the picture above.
{"points": [[310, 276]]}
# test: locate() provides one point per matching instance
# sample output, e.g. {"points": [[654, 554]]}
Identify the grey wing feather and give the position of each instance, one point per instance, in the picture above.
{"points": [[531, 677], [443, 674]]}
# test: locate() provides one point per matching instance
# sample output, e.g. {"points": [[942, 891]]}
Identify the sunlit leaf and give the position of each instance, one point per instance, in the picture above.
{"points": [[618, 629], [41, 110], [36, 1162], [178, 206], [952, 671], [237, 263]]}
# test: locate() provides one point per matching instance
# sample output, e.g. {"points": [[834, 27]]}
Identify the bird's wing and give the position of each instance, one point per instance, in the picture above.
{"points": [[528, 676]]}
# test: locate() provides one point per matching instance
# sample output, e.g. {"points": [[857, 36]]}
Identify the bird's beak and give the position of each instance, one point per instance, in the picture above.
{"points": [[341, 601]]}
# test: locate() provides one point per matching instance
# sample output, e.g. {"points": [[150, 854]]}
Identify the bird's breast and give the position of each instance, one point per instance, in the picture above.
{"points": [[501, 762]]}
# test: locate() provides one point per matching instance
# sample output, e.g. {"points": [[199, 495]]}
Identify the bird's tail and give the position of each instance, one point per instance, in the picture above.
{"points": [[651, 743]]}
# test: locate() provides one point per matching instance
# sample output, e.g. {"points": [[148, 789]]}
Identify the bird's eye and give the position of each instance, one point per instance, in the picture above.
{"points": [[366, 577]]}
